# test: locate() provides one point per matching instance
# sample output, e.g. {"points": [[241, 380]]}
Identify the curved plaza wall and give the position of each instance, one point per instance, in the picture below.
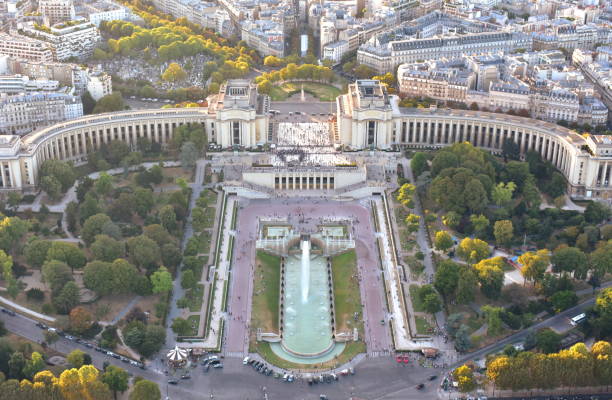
{"points": [[20, 158]]}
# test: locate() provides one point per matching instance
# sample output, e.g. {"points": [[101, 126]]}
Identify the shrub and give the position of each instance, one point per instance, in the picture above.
{"points": [[35, 294]]}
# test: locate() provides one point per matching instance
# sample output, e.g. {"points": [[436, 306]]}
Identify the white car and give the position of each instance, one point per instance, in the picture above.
{"points": [[245, 361]]}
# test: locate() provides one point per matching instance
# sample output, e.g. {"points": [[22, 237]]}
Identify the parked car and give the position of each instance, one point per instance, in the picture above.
{"points": [[218, 365], [245, 361], [420, 386], [173, 381]]}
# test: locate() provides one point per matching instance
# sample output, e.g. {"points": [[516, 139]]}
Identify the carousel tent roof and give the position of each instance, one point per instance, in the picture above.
{"points": [[177, 354]]}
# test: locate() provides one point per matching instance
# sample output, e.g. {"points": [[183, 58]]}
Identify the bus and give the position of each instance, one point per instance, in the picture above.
{"points": [[578, 319]]}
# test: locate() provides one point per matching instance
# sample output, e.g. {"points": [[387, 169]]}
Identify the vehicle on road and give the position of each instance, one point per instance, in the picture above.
{"points": [[245, 361], [433, 377], [218, 365], [420, 386], [578, 319], [173, 381], [185, 376]]}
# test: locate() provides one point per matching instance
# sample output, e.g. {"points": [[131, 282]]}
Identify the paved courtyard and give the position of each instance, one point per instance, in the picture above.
{"points": [[377, 336]]}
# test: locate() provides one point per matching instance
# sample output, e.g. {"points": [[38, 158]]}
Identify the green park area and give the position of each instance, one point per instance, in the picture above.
{"points": [[321, 91], [266, 292], [347, 299]]}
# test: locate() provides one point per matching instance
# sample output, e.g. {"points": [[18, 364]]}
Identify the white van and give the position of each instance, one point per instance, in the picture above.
{"points": [[578, 319]]}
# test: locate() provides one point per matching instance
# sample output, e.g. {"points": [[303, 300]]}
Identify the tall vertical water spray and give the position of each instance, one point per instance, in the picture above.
{"points": [[305, 269]]}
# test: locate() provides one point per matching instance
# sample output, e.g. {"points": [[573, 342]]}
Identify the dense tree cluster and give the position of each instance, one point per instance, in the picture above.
{"points": [[575, 367], [294, 72]]}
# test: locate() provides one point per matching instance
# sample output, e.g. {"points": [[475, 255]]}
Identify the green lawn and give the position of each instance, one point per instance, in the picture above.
{"points": [[416, 302], [195, 297], [204, 239], [266, 292], [423, 327], [194, 320], [350, 351], [209, 196], [347, 299], [209, 217], [321, 91]]}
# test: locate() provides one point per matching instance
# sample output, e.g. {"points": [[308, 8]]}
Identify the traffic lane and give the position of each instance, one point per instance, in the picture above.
{"points": [[27, 328], [376, 378], [307, 107], [580, 308]]}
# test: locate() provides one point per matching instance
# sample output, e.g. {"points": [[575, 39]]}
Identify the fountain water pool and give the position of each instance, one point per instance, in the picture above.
{"points": [[307, 324], [305, 270]]}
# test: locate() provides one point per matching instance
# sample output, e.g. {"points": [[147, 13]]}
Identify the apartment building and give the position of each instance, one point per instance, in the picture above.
{"points": [[21, 114], [56, 11], [104, 10], [12, 84], [267, 37], [19, 46], [99, 85], [386, 58], [71, 39]]}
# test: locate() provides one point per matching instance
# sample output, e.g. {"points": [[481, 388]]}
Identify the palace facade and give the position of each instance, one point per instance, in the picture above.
{"points": [[367, 118]]}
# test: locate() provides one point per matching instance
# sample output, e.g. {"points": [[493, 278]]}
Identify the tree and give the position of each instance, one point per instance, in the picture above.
{"points": [[181, 326], [601, 259], [80, 320], [531, 195], [188, 280], [189, 155], [105, 248], [51, 337], [475, 196], [174, 73], [68, 253], [167, 217], [534, 265], [36, 252], [67, 298], [432, 303], [569, 260], [63, 172], [465, 378], [145, 390], [443, 241], [603, 308], [596, 212], [143, 201], [34, 365], [548, 340], [452, 219], [143, 252], [16, 364], [104, 184], [473, 250], [51, 186], [494, 322], [502, 193], [462, 339], [116, 378], [161, 280], [503, 231], [76, 358], [56, 274], [479, 223], [418, 163], [490, 276], [563, 300], [467, 285], [89, 103], [109, 103], [6, 263], [446, 278], [94, 226]]}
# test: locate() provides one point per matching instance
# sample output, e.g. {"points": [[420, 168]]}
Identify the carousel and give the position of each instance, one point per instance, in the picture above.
{"points": [[177, 357]]}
